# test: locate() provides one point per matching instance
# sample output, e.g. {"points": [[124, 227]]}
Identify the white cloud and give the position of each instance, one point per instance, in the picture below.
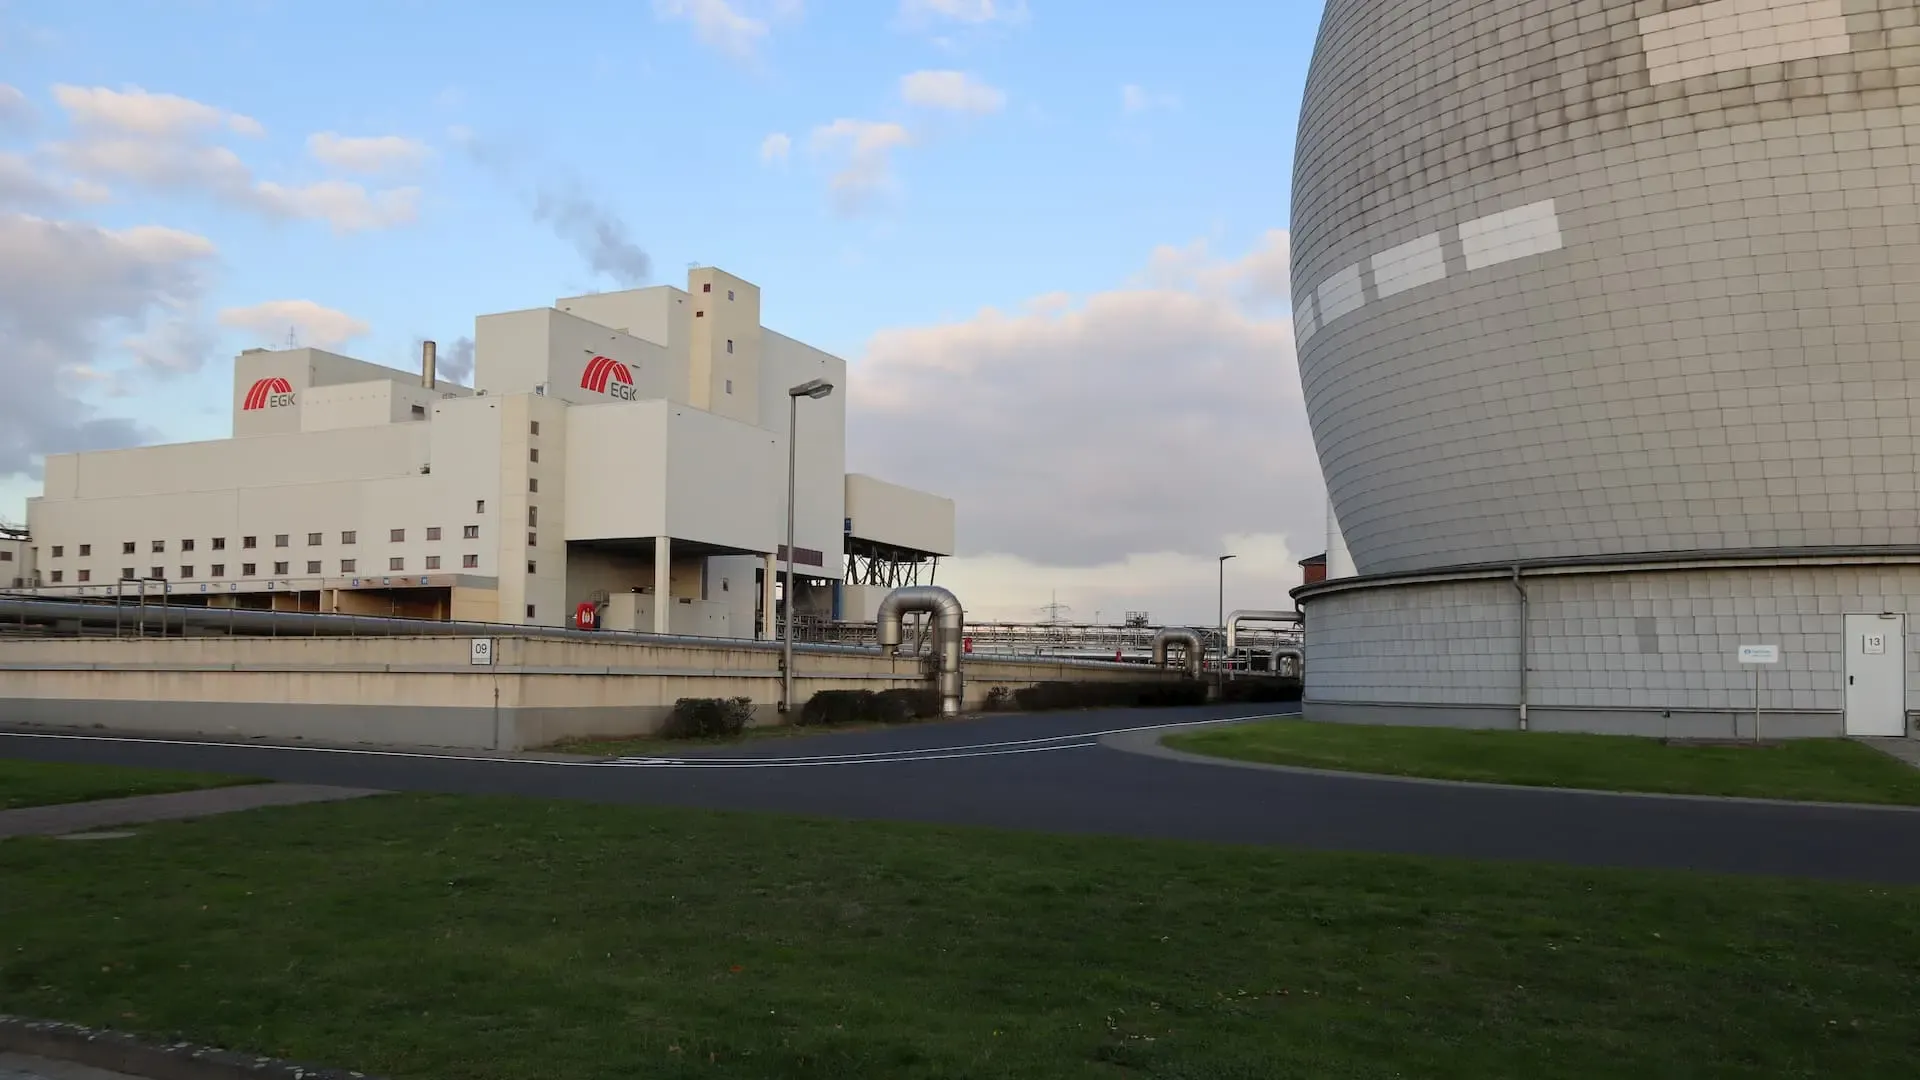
{"points": [[955, 91], [1152, 422], [64, 288], [775, 148], [865, 148], [1137, 99], [367, 154], [16, 112], [972, 12], [347, 207], [722, 25], [319, 326], [24, 186], [134, 111]]}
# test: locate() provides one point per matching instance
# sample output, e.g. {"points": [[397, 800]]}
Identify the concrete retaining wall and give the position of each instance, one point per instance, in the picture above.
{"points": [[425, 691]]}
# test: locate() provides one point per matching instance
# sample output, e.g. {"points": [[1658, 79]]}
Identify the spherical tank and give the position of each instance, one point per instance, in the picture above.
{"points": [[1610, 277]]}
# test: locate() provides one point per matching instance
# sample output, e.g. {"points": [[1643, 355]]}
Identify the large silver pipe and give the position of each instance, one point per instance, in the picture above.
{"points": [[429, 364], [949, 624], [1236, 618], [1286, 652], [1178, 635]]}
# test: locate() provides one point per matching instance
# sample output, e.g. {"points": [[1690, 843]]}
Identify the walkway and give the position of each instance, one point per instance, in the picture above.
{"points": [[66, 818]]}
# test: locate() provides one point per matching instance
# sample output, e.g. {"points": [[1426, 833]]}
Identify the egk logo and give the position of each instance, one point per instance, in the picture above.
{"points": [[605, 375], [268, 394]]}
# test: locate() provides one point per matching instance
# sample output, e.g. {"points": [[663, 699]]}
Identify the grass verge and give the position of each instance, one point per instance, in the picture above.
{"points": [[491, 939], [30, 783], [1826, 770]]}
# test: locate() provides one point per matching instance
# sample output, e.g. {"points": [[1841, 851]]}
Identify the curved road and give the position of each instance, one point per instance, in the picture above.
{"points": [[1065, 773]]}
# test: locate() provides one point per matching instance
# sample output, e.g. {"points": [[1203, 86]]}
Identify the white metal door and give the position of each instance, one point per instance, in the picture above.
{"points": [[1876, 675]]}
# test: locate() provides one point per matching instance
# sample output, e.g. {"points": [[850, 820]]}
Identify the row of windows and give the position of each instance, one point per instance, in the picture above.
{"points": [[247, 570], [314, 539]]}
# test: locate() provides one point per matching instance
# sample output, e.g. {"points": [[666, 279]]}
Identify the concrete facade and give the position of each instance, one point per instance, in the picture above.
{"points": [[427, 692], [631, 442], [1633, 281]]}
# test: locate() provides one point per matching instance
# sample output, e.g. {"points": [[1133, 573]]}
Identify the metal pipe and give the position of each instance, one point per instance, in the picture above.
{"points": [[1178, 635], [429, 363], [949, 625], [1525, 635], [1298, 656], [1234, 620]]}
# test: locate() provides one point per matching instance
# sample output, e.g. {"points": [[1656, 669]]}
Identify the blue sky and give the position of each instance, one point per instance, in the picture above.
{"points": [[1017, 171]]}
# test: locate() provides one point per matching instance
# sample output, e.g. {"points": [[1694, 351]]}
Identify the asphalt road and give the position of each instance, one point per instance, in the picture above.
{"points": [[1054, 772]]}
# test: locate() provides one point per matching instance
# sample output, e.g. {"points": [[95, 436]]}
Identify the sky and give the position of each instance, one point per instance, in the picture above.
{"points": [[1048, 236]]}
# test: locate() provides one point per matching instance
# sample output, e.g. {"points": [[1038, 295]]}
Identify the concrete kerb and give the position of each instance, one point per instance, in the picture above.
{"points": [[120, 1052], [1149, 744]]}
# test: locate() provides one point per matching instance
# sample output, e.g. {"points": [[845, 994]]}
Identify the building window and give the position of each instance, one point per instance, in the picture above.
{"points": [[729, 344], [533, 515], [419, 412], [433, 562], [86, 550], [534, 427], [729, 294], [729, 386], [533, 453], [471, 532], [313, 566], [58, 551], [126, 548], [56, 576], [706, 286], [469, 561], [126, 573], [480, 506], [248, 569], [249, 542], [313, 539], [6, 556], [218, 569], [279, 568], [532, 541], [280, 540], [347, 565], [396, 536], [433, 533], [529, 611], [351, 536], [532, 567], [533, 483], [219, 543], [159, 546], [186, 545], [396, 563], [699, 314], [86, 575], [158, 573], [186, 571]]}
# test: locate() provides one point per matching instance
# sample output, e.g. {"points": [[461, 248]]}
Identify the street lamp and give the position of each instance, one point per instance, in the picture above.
{"points": [[1224, 658], [816, 389]]}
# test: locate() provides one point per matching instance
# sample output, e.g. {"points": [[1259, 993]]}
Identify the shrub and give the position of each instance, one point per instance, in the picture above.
{"points": [[836, 707], [999, 699], [1260, 688], [1110, 695], [707, 718], [904, 703]]}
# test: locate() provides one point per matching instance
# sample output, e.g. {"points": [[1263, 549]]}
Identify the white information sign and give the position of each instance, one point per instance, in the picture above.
{"points": [[1759, 654], [482, 652], [1873, 644]]}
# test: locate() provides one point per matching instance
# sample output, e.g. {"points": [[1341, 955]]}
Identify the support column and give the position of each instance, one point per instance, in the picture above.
{"points": [[662, 582], [768, 576]]}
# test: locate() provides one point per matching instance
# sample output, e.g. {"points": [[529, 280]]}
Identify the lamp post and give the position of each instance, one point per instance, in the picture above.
{"points": [[1225, 660], [816, 389]]}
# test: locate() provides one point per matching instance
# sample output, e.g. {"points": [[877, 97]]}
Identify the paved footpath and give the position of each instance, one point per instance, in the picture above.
{"points": [[28, 1067], [65, 818]]}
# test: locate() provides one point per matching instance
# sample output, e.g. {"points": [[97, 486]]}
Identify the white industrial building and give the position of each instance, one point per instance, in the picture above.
{"points": [[623, 450]]}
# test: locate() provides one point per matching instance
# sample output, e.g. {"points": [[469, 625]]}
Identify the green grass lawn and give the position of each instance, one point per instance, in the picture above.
{"points": [[462, 938], [27, 783], [1815, 769]]}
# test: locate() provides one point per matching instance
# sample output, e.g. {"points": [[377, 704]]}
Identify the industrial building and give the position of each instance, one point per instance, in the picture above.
{"points": [[1607, 315], [622, 460]]}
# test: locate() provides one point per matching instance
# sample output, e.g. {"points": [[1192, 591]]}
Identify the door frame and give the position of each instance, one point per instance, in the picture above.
{"points": [[1899, 629]]}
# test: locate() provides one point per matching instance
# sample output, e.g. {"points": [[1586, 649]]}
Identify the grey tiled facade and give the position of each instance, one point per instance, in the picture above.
{"points": [[1604, 279]]}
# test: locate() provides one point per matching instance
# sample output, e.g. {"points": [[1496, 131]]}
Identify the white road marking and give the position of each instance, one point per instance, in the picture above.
{"points": [[929, 753]]}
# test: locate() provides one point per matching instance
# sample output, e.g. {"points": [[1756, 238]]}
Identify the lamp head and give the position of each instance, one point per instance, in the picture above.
{"points": [[812, 388]]}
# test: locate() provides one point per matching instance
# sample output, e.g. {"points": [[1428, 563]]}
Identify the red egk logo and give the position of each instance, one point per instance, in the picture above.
{"points": [[605, 375], [268, 393]]}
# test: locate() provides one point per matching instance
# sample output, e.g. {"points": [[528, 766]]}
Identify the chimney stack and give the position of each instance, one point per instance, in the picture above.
{"points": [[427, 364]]}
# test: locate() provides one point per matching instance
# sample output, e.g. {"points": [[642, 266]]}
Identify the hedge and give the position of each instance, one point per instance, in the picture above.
{"points": [[1260, 688], [707, 718], [896, 706], [1109, 695]]}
